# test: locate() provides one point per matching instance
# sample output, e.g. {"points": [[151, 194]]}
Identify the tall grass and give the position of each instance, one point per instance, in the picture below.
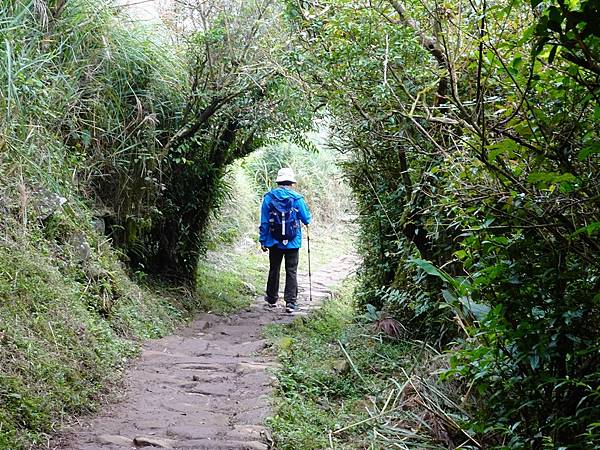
{"points": [[85, 101], [86, 88]]}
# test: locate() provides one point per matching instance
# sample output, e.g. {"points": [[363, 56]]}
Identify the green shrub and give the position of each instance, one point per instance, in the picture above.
{"points": [[472, 133]]}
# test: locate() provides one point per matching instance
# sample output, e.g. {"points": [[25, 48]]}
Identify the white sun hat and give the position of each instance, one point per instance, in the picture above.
{"points": [[285, 174]]}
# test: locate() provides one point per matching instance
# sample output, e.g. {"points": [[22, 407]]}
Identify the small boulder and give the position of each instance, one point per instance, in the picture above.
{"points": [[47, 203], [99, 225], [148, 441], [114, 440], [81, 248], [340, 367]]}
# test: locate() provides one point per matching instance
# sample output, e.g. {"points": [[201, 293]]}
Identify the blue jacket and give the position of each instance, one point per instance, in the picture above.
{"points": [[281, 193]]}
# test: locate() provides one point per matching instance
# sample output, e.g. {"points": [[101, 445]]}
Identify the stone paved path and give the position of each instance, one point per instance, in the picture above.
{"points": [[207, 387]]}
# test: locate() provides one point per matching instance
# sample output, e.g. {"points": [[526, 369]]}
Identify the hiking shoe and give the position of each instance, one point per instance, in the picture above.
{"points": [[271, 304], [291, 308]]}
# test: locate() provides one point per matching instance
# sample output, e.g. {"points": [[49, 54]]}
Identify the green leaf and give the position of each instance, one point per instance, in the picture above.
{"points": [[591, 229], [504, 147], [372, 313], [551, 178], [477, 310], [449, 296], [460, 284], [460, 254], [517, 62], [552, 54], [534, 361], [585, 152], [427, 267], [432, 270]]}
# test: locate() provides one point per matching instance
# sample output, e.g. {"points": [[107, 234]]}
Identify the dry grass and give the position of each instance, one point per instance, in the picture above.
{"points": [[416, 410]]}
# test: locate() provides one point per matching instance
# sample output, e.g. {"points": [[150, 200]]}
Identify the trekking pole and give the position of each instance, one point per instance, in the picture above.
{"points": [[309, 272]]}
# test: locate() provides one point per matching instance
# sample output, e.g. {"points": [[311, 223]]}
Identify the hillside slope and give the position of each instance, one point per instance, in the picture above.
{"points": [[87, 97]]}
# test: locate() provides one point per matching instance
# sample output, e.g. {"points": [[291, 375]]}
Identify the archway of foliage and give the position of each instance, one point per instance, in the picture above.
{"points": [[472, 129], [236, 100], [105, 121], [143, 122]]}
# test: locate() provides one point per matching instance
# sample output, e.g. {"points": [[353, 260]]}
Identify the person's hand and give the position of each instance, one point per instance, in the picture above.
{"points": [[263, 248]]}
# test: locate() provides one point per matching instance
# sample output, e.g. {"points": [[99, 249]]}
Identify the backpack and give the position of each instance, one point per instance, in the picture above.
{"points": [[283, 220]]}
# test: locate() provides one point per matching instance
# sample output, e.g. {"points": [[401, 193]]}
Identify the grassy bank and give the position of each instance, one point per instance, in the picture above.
{"points": [[88, 94], [344, 385], [229, 279], [67, 328]]}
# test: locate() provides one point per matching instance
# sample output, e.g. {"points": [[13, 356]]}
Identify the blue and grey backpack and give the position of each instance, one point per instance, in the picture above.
{"points": [[283, 220]]}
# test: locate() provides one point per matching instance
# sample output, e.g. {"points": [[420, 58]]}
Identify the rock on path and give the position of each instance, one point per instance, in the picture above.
{"points": [[207, 387]]}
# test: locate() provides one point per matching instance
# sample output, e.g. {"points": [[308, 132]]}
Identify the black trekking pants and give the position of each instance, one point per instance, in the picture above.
{"points": [[276, 255]]}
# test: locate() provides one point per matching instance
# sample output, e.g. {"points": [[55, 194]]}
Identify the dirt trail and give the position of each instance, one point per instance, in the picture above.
{"points": [[207, 387]]}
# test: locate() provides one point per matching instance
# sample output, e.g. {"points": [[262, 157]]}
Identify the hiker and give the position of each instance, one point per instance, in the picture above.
{"points": [[280, 233]]}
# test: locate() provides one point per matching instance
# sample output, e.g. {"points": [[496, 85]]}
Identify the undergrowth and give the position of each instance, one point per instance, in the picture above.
{"points": [[344, 386], [67, 328], [230, 280]]}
